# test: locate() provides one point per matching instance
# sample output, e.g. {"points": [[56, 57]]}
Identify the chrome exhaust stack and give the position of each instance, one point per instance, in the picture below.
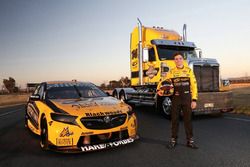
{"points": [[140, 52], [184, 35]]}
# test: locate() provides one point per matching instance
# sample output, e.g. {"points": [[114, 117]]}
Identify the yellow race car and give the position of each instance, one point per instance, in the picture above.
{"points": [[78, 116]]}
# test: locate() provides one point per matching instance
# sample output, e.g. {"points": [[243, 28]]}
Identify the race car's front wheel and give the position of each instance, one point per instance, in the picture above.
{"points": [[44, 135]]}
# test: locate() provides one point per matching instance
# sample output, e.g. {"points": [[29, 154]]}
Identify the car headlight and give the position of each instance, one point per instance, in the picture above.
{"points": [[68, 119]]}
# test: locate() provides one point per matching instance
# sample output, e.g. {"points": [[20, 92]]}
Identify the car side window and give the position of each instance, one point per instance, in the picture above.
{"points": [[41, 91], [37, 90]]}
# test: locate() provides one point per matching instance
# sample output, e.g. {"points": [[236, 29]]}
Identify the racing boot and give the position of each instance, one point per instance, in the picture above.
{"points": [[190, 144], [172, 143]]}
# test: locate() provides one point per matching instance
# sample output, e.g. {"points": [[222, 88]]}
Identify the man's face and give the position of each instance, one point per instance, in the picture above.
{"points": [[178, 60]]}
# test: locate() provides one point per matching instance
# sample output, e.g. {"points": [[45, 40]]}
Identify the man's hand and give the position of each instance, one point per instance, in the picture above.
{"points": [[193, 104]]}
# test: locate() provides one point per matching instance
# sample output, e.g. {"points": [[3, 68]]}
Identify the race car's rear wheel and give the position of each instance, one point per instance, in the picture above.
{"points": [[44, 135]]}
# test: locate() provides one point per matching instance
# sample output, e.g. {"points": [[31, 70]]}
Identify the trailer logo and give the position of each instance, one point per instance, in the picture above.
{"points": [[151, 72]]}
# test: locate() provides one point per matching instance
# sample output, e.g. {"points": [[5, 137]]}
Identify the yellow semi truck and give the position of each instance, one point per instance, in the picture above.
{"points": [[151, 57]]}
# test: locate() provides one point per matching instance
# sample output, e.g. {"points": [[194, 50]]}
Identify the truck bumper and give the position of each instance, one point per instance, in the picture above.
{"points": [[214, 102]]}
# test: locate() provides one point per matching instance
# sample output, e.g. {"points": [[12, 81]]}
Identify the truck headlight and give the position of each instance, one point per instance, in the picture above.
{"points": [[68, 119]]}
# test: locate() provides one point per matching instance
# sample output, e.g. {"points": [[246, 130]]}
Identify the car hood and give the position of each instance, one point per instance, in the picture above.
{"points": [[91, 107]]}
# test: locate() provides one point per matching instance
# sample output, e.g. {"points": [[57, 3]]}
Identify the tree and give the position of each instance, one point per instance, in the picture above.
{"points": [[122, 82], [10, 85], [125, 82], [103, 86]]}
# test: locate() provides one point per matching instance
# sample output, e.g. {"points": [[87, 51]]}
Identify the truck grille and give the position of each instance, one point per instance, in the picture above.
{"points": [[104, 122], [207, 78]]}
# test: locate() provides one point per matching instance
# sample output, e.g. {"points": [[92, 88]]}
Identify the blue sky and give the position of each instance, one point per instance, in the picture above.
{"points": [[89, 40]]}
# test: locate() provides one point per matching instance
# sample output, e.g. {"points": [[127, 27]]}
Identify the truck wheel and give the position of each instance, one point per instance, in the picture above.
{"points": [[44, 135], [115, 95], [122, 96]]}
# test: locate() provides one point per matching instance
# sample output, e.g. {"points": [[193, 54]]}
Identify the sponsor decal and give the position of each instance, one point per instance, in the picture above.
{"points": [[151, 72], [106, 145], [50, 123], [66, 133], [83, 103], [134, 64], [181, 84], [69, 85], [176, 79], [103, 113], [64, 142], [185, 79]]}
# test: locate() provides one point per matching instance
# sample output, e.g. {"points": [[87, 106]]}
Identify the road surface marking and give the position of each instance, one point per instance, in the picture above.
{"points": [[10, 112], [238, 119], [11, 105]]}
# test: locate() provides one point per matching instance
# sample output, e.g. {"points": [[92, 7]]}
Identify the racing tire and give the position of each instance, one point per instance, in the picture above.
{"points": [[44, 143]]}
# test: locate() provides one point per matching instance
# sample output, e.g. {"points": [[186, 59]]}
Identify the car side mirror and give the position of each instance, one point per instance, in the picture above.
{"points": [[35, 97]]}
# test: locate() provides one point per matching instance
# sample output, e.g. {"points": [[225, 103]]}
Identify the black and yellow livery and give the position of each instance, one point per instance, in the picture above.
{"points": [[183, 82], [78, 116]]}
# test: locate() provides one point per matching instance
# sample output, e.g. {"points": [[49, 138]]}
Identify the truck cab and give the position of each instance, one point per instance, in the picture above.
{"points": [[151, 57]]}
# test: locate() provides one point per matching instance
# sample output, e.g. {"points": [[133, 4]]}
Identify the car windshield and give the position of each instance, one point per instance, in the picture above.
{"points": [[167, 52], [73, 91]]}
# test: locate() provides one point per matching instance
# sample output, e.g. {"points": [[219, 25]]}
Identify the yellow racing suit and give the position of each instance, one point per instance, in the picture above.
{"points": [[185, 91]]}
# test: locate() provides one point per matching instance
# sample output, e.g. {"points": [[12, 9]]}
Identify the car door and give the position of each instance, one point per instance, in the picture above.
{"points": [[32, 108]]}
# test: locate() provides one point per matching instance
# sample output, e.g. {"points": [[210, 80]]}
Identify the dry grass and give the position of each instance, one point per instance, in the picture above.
{"points": [[239, 85], [241, 99], [13, 99]]}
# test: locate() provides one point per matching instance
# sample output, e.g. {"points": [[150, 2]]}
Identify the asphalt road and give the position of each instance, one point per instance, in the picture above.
{"points": [[222, 141]]}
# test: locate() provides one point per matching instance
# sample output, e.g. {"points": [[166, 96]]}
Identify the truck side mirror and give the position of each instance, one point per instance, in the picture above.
{"points": [[145, 55]]}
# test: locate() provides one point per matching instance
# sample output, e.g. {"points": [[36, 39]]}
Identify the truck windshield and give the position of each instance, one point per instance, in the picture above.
{"points": [[167, 52]]}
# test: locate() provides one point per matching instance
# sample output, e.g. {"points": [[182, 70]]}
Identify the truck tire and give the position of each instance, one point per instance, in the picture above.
{"points": [[122, 96], [115, 94]]}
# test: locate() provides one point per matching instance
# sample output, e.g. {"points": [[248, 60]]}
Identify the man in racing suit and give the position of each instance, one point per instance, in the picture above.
{"points": [[184, 98]]}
